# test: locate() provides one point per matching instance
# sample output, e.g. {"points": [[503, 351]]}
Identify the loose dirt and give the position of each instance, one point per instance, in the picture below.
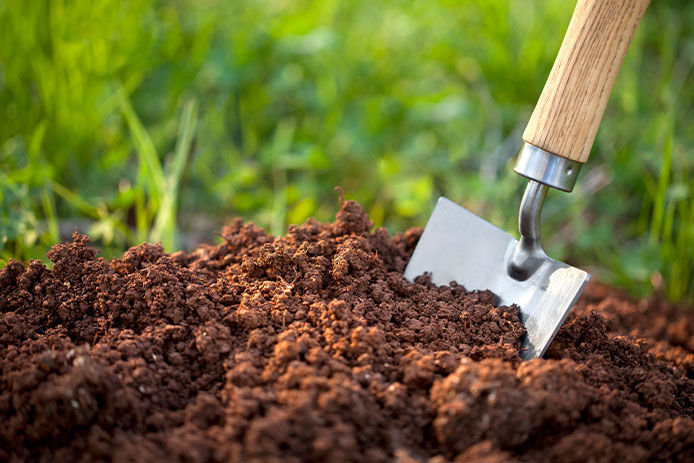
{"points": [[312, 347]]}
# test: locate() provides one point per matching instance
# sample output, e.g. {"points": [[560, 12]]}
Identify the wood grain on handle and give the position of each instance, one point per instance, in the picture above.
{"points": [[573, 101]]}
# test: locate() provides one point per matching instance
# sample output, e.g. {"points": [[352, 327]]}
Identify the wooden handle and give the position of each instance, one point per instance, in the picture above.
{"points": [[573, 101]]}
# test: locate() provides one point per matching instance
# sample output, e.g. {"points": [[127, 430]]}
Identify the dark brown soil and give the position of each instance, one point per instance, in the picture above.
{"points": [[312, 347]]}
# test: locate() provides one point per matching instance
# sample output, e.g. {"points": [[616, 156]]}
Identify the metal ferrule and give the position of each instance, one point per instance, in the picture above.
{"points": [[549, 169]]}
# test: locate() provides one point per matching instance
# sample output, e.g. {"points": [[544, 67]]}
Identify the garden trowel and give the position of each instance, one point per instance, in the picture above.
{"points": [[456, 245]]}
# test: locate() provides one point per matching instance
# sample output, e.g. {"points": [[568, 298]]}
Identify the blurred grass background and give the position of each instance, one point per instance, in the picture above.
{"points": [[162, 120]]}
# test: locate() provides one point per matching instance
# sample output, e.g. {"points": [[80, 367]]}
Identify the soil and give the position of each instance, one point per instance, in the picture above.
{"points": [[312, 347]]}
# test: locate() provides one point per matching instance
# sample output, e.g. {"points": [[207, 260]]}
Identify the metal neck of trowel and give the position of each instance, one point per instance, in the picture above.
{"points": [[544, 170]]}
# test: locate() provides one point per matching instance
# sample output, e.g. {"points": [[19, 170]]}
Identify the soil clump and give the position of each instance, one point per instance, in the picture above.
{"points": [[312, 347]]}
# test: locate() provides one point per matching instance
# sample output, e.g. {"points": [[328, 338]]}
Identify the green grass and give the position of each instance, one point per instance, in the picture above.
{"points": [[163, 120]]}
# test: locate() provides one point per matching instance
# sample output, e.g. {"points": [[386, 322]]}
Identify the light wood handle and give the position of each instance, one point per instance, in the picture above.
{"points": [[570, 108]]}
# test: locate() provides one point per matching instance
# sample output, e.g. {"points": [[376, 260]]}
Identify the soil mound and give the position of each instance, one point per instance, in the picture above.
{"points": [[312, 347]]}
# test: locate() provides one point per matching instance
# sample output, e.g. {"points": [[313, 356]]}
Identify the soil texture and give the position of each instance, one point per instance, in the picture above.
{"points": [[311, 347]]}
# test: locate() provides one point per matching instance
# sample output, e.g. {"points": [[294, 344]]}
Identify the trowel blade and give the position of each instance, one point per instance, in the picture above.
{"points": [[457, 245]]}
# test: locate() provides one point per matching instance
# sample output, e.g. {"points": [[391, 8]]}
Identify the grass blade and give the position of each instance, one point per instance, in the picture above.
{"points": [[165, 222]]}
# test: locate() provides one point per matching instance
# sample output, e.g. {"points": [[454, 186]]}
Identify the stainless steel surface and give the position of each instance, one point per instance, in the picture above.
{"points": [[529, 255], [542, 166], [456, 245]]}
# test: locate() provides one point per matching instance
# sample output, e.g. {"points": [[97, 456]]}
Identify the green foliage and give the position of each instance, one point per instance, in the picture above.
{"points": [[156, 120]]}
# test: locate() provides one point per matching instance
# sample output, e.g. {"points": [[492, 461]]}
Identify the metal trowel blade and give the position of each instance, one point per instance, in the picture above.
{"points": [[457, 245]]}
